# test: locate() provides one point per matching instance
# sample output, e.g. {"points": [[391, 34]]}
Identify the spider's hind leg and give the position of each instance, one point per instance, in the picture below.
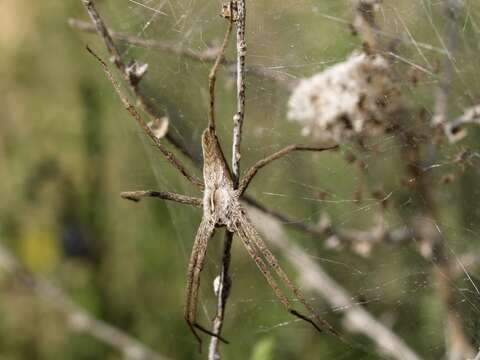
{"points": [[257, 247], [195, 265]]}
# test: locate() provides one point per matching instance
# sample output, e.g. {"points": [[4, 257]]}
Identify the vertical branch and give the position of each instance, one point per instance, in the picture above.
{"points": [[240, 114], [222, 292], [237, 11]]}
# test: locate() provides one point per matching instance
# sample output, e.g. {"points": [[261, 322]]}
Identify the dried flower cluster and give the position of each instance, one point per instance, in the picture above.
{"points": [[352, 97]]}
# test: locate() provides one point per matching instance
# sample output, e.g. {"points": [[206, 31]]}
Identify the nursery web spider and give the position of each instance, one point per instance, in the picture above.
{"points": [[222, 207]]}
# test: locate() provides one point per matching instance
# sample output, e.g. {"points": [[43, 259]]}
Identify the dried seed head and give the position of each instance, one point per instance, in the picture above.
{"points": [[352, 97]]}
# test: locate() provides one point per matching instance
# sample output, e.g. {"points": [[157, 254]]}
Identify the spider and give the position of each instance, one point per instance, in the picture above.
{"points": [[222, 207]]}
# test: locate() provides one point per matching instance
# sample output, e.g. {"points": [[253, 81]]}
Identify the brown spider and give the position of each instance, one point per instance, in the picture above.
{"points": [[222, 207]]}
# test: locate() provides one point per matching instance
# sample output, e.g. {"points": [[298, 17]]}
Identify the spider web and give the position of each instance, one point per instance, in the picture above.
{"points": [[297, 39]]}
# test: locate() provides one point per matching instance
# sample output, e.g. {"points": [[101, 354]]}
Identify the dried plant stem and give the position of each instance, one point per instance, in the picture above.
{"points": [[77, 319], [239, 8], [222, 296], [241, 86], [208, 55]]}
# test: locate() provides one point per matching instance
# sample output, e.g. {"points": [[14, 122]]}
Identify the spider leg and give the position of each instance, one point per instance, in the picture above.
{"points": [[138, 118], [250, 232], [262, 266], [279, 154], [195, 265], [212, 76], [182, 199], [271, 281]]}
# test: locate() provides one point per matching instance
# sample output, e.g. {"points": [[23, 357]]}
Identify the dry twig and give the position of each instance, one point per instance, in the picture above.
{"points": [[207, 55]]}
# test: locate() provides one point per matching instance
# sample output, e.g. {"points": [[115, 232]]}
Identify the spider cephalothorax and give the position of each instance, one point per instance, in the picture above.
{"points": [[219, 196]]}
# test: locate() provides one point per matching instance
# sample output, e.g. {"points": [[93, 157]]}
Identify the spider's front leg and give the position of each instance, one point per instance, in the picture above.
{"points": [[279, 154]]}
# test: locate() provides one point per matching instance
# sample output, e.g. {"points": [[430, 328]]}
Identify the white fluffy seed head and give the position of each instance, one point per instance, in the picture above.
{"points": [[352, 97]]}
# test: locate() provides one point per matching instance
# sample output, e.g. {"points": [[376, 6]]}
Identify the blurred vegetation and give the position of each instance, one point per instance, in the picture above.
{"points": [[67, 149]]}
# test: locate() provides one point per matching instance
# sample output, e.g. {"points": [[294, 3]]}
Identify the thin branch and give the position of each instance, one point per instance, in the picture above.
{"points": [[285, 151], [204, 56], [223, 291], [240, 114], [357, 319], [208, 55], [182, 199], [77, 319], [225, 282], [138, 118]]}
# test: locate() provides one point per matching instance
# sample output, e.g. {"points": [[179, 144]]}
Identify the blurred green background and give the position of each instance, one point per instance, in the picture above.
{"points": [[67, 149]]}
